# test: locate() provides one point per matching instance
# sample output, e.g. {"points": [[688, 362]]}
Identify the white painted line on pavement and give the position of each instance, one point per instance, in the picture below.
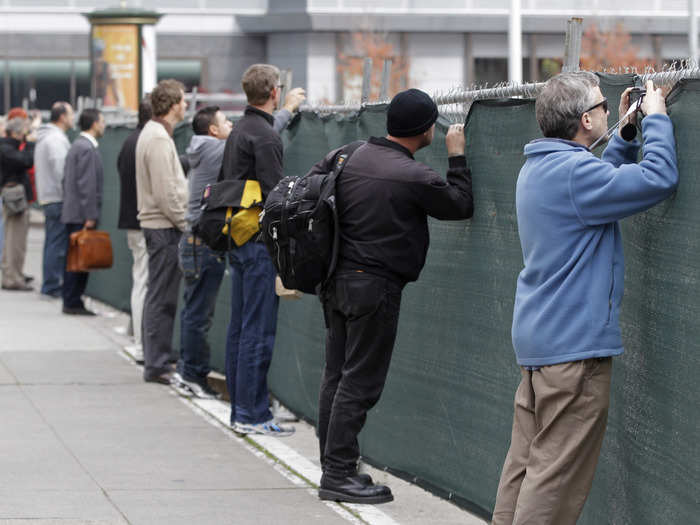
{"points": [[220, 411]]}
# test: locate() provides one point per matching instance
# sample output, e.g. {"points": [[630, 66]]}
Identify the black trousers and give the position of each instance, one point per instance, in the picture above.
{"points": [[160, 304], [362, 314], [74, 283]]}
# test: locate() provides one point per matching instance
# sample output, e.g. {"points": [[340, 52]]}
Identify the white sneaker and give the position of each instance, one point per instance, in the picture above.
{"points": [[192, 388], [282, 414], [268, 428], [136, 352]]}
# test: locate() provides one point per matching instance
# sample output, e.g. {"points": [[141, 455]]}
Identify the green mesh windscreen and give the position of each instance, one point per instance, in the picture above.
{"points": [[445, 416]]}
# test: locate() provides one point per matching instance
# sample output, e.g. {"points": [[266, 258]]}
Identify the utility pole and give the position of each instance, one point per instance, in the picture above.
{"points": [[515, 44], [572, 44], [693, 32]]}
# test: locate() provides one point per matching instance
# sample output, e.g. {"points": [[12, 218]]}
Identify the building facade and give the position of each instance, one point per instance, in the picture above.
{"points": [[44, 49]]}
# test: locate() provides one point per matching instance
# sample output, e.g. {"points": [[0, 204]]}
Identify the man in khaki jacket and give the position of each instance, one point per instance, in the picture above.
{"points": [[161, 192]]}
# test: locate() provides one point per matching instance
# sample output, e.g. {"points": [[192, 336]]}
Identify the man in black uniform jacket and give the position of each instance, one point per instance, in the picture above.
{"points": [[384, 198]]}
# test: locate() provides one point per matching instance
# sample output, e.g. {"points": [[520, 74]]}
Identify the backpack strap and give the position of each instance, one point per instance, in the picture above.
{"points": [[340, 162]]}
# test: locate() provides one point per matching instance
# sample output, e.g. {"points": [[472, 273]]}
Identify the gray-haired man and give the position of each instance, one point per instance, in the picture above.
{"points": [[566, 317]]}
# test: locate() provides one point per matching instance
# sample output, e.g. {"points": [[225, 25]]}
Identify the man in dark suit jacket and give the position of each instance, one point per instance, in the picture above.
{"points": [[82, 199]]}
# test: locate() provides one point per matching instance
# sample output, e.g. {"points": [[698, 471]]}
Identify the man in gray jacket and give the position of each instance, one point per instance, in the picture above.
{"points": [[52, 146], [202, 267], [82, 199]]}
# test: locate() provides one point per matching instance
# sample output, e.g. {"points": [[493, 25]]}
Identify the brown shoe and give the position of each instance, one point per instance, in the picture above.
{"points": [[18, 288]]}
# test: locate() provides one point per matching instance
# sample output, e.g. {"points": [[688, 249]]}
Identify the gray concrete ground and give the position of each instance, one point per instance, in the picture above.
{"points": [[83, 440]]}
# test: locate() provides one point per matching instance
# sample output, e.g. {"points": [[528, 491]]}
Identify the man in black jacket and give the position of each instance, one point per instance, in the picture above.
{"points": [[384, 198], [126, 166], [253, 151], [13, 175]]}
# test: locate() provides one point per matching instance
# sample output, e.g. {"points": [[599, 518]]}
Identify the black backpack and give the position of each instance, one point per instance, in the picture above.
{"points": [[299, 226]]}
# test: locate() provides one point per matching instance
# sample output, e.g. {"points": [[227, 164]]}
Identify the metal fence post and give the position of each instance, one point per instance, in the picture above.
{"points": [[366, 80], [192, 109], [386, 80], [286, 81], [572, 44]]}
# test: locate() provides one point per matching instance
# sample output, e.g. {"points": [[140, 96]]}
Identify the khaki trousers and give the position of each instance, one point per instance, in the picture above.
{"points": [[139, 276], [15, 248], [559, 421]]}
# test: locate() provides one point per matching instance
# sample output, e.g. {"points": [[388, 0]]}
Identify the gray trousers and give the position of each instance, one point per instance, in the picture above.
{"points": [[161, 299], [559, 421]]}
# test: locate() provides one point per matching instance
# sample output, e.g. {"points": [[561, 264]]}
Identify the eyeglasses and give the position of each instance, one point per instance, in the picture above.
{"points": [[603, 103]]}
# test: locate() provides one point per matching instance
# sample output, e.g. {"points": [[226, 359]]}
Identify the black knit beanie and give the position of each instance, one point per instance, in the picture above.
{"points": [[410, 113]]}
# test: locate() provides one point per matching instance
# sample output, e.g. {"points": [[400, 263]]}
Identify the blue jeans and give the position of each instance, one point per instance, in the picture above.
{"points": [[202, 274], [55, 243], [251, 332]]}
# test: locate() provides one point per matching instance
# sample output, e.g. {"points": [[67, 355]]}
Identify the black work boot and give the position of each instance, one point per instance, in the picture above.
{"points": [[353, 489]]}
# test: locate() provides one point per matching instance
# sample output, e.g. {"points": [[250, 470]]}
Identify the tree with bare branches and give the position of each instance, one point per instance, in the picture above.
{"points": [[611, 50], [375, 46]]}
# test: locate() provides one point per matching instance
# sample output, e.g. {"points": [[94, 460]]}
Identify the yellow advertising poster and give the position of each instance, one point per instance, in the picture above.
{"points": [[115, 65]]}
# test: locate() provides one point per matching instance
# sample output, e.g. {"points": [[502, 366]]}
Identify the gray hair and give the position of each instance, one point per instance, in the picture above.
{"points": [[562, 101], [16, 126]]}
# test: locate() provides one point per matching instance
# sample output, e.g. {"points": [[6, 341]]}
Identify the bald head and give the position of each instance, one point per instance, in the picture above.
{"points": [[62, 115]]}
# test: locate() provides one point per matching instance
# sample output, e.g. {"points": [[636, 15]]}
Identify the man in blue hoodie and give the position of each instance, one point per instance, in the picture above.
{"points": [[566, 317], [201, 267]]}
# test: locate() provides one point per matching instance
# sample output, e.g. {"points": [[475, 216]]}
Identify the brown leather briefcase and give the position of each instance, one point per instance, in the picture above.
{"points": [[89, 250]]}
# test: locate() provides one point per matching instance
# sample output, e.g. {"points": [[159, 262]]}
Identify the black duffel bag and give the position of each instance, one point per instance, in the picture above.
{"points": [[230, 214]]}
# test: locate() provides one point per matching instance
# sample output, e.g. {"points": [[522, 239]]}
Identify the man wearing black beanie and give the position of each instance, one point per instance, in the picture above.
{"points": [[384, 197]]}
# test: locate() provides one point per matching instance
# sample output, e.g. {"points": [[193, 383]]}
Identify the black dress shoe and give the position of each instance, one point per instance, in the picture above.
{"points": [[353, 489], [365, 478], [77, 310]]}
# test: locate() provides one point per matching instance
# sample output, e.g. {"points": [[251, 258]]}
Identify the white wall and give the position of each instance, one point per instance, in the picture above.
{"points": [[436, 61], [321, 68]]}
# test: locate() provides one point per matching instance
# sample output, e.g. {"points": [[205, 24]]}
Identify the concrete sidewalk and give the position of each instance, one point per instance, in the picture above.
{"points": [[84, 440]]}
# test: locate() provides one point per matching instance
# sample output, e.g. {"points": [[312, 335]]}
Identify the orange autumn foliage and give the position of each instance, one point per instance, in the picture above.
{"points": [[376, 47], [606, 50]]}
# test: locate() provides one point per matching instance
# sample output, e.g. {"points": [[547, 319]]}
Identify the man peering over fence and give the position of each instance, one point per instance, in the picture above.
{"points": [[566, 316], [384, 198]]}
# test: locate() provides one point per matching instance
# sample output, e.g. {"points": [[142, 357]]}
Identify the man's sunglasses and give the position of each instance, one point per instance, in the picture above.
{"points": [[603, 103]]}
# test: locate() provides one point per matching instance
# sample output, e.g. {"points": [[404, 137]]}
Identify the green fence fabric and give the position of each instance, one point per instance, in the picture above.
{"points": [[113, 286], [444, 419]]}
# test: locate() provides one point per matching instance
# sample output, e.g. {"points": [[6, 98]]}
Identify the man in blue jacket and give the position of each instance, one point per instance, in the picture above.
{"points": [[566, 317]]}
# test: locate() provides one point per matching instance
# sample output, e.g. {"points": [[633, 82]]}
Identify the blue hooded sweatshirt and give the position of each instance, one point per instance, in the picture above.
{"points": [[568, 203]]}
